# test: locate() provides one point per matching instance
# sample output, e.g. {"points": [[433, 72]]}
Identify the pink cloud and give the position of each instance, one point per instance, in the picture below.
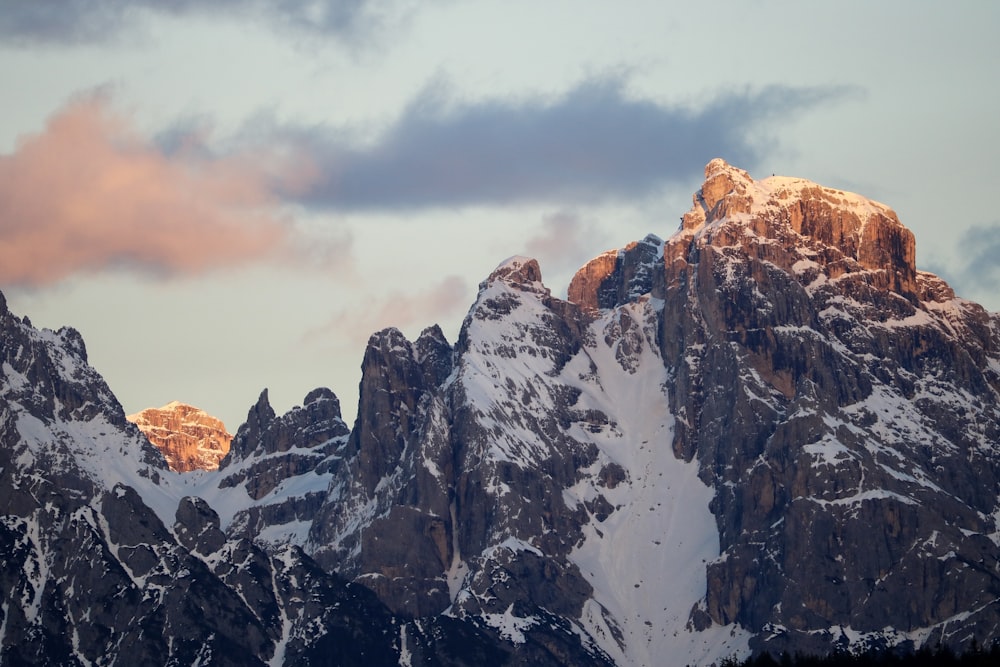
{"points": [[89, 193], [397, 310]]}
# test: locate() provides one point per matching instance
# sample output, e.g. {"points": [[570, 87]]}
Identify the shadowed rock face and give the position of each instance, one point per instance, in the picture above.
{"points": [[189, 438]]}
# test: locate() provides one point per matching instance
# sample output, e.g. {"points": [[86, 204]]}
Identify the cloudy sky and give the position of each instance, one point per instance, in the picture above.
{"points": [[231, 195]]}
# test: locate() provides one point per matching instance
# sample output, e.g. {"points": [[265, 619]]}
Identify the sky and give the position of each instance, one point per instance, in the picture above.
{"points": [[230, 196]]}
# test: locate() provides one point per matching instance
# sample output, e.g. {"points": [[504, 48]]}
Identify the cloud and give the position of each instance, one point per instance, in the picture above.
{"points": [[398, 310], [88, 193], [595, 142], [564, 240], [67, 22], [980, 250]]}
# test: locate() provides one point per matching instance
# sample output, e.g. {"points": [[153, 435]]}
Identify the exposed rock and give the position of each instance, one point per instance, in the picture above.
{"points": [[619, 276], [268, 450], [197, 527], [190, 438], [839, 231], [284, 465]]}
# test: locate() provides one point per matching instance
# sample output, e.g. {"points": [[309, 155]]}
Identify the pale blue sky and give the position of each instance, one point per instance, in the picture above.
{"points": [[306, 177]]}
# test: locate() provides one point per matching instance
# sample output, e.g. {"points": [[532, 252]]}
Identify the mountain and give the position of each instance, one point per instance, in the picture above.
{"points": [[189, 438], [111, 557], [767, 432]]}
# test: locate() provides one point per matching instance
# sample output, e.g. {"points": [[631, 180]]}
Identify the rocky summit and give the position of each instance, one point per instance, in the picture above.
{"points": [[189, 438], [766, 431]]}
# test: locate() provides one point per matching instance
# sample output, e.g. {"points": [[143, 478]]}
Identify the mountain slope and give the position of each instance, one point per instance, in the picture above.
{"points": [[837, 406]]}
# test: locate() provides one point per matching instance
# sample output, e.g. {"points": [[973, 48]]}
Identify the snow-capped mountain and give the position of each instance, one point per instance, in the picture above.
{"points": [[109, 557], [189, 438], [769, 431]]}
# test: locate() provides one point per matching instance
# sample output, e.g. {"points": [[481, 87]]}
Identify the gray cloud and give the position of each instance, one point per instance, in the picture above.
{"points": [[980, 250], [67, 22], [592, 143]]}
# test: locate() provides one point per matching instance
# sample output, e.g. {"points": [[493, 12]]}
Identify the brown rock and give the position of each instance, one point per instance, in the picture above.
{"points": [[617, 276], [189, 438], [843, 232]]}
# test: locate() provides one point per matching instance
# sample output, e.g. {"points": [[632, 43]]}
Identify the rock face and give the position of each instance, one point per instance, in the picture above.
{"points": [[845, 408], [275, 476], [768, 432], [618, 276], [189, 438]]}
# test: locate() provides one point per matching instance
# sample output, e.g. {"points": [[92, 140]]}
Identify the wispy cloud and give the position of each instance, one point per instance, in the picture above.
{"points": [[398, 309], [593, 143], [68, 22], [89, 193], [564, 240], [979, 249]]}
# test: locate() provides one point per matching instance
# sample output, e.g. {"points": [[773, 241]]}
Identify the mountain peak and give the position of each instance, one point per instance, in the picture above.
{"points": [[841, 231], [517, 270], [189, 438]]}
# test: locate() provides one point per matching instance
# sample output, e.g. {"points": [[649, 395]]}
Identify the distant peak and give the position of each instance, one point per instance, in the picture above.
{"points": [[188, 437]]}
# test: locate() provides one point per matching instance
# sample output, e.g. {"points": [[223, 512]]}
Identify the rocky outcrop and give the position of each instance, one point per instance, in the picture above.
{"points": [[618, 276], [276, 474], [405, 548], [189, 438]]}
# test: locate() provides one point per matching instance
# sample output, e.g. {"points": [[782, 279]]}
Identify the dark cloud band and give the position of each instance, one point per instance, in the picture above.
{"points": [[67, 22], [593, 143]]}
